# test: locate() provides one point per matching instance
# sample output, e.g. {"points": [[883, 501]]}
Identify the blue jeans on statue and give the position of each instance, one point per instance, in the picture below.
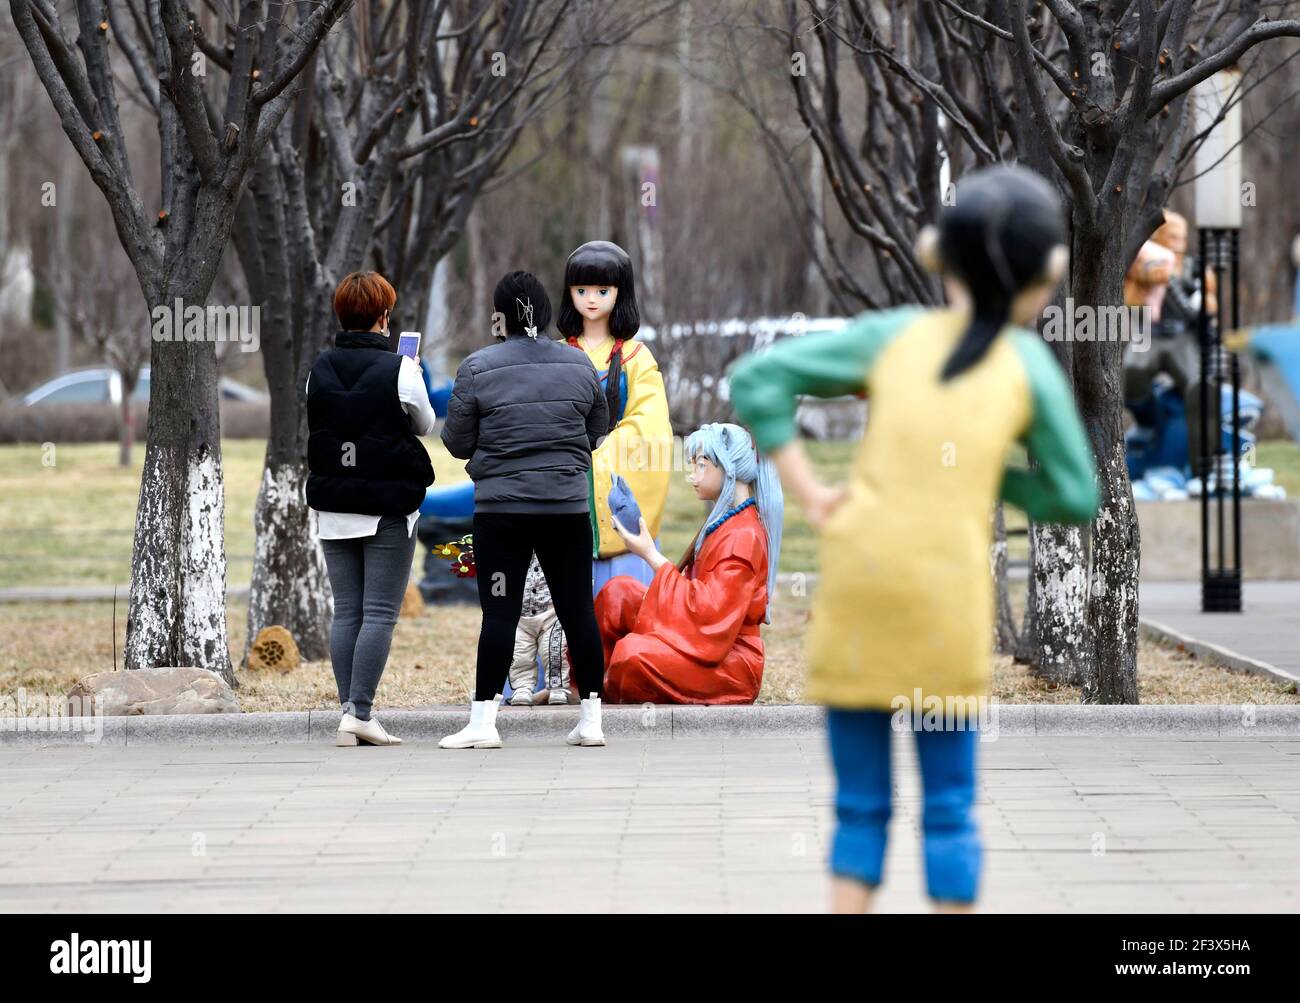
{"points": [[859, 745]]}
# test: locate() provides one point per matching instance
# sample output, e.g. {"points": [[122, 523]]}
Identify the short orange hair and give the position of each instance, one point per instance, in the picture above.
{"points": [[361, 299]]}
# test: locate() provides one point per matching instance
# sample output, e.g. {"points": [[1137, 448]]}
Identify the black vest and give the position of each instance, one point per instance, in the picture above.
{"points": [[361, 452]]}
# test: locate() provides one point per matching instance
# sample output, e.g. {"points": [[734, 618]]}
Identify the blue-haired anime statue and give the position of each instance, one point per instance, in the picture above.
{"points": [[692, 635]]}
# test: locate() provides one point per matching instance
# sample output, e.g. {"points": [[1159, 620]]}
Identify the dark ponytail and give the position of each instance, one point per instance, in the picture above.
{"points": [[997, 238], [521, 304], [613, 389]]}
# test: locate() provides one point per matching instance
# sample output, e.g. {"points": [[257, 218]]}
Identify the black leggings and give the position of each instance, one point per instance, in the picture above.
{"points": [[504, 544]]}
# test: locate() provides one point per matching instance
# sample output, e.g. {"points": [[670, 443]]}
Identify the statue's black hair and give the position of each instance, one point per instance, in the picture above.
{"points": [[600, 263], [997, 239]]}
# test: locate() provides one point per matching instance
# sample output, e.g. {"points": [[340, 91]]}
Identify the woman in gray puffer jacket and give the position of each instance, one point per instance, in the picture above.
{"points": [[526, 413]]}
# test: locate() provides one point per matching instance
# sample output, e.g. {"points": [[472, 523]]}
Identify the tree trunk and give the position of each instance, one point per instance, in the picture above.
{"points": [[1059, 575], [1112, 610], [1060, 595], [480, 293], [290, 586], [1026, 652], [1005, 639], [126, 434], [177, 612]]}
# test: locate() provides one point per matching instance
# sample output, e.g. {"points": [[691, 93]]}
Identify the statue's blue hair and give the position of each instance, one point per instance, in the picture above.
{"points": [[731, 448]]}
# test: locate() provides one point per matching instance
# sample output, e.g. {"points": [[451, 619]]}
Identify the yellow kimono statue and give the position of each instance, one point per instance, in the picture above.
{"points": [[598, 314]]}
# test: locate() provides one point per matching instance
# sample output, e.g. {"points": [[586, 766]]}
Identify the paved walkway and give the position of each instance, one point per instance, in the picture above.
{"points": [[737, 824], [1267, 630]]}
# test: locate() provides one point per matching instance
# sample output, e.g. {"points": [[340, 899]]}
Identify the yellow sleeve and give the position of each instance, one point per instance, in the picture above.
{"points": [[640, 449]]}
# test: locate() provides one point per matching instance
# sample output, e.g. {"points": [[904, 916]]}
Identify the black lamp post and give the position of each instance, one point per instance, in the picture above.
{"points": [[1218, 220], [1216, 465]]}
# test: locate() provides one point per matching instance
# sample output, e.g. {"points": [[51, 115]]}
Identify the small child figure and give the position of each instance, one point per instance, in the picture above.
{"points": [[539, 634]]}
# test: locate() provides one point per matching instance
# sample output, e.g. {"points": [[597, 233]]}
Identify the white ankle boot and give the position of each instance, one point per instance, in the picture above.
{"points": [[353, 731], [481, 732], [587, 731]]}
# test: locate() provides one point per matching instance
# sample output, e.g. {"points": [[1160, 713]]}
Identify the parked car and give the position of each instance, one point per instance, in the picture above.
{"points": [[104, 386]]}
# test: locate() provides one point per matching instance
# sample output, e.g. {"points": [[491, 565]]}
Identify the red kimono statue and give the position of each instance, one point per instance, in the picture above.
{"points": [[690, 637]]}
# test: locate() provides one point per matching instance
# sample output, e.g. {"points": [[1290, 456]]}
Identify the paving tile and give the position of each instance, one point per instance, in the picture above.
{"points": [[737, 822]]}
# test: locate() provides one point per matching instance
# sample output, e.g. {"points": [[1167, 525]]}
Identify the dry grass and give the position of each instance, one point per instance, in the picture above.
{"points": [[48, 646], [71, 524]]}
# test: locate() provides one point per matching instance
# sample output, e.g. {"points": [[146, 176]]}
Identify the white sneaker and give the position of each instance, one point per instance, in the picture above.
{"points": [[481, 732], [587, 731], [557, 696], [521, 698], [356, 732]]}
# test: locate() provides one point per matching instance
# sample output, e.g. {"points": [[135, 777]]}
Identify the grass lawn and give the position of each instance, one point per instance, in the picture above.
{"points": [[71, 523]]}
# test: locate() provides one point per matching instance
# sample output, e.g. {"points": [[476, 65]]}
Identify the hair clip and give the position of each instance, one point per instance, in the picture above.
{"points": [[526, 315]]}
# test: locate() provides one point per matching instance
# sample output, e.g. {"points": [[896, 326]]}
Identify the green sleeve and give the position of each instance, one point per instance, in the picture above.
{"points": [[765, 385], [1064, 486]]}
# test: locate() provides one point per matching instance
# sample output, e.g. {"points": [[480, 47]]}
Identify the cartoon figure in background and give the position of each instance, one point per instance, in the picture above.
{"points": [[1160, 382], [539, 635], [598, 314], [902, 617], [693, 635]]}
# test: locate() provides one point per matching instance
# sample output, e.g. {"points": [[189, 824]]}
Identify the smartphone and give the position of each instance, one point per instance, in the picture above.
{"points": [[408, 344]]}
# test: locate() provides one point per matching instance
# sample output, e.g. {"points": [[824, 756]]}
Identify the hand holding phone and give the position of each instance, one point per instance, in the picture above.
{"points": [[408, 344]]}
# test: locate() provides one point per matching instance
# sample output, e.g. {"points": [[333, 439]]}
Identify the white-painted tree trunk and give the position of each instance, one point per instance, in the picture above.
{"points": [[290, 586], [1113, 606], [1060, 596], [178, 574]]}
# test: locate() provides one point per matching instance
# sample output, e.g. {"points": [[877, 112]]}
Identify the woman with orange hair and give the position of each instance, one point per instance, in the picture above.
{"points": [[366, 408]]}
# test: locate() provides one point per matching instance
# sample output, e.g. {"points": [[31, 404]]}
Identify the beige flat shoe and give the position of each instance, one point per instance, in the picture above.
{"points": [[354, 732]]}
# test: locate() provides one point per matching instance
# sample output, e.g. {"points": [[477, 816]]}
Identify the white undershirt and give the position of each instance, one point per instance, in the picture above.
{"points": [[415, 402]]}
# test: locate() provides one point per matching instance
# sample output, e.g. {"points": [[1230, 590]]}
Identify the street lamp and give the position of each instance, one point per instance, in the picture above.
{"points": [[1216, 104]]}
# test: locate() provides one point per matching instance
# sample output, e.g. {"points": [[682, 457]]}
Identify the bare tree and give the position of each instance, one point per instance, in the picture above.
{"points": [[208, 143], [1093, 93], [96, 300], [15, 105], [416, 106]]}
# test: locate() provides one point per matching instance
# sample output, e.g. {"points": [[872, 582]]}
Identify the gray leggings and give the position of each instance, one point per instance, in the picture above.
{"points": [[368, 575]]}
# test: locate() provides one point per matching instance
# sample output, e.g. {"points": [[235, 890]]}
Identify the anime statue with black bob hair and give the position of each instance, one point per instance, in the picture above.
{"points": [[599, 317], [601, 263]]}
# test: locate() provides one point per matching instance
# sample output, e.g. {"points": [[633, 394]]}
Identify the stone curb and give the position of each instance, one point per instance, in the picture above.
{"points": [[660, 722], [1212, 653]]}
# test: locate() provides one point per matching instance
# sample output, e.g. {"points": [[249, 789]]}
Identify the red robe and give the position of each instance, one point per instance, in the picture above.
{"points": [[690, 637]]}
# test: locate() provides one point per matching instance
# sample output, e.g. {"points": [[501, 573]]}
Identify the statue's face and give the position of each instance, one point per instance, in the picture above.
{"points": [[594, 302], [706, 478], [1172, 233]]}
